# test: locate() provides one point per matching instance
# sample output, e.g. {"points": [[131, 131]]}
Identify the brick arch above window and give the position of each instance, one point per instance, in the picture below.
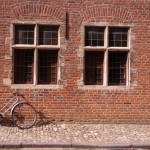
{"points": [[37, 9], [121, 13]]}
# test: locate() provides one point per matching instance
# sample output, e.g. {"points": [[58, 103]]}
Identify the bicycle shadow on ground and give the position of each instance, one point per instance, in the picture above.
{"points": [[7, 122], [41, 120]]}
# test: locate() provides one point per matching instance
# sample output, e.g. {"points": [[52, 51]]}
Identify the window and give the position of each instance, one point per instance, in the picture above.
{"points": [[106, 56], [94, 67], [35, 54]]}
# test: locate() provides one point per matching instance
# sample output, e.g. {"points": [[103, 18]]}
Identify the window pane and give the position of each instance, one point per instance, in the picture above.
{"points": [[24, 34], [117, 68], [94, 68], [23, 67], [118, 37], [47, 73], [48, 35], [94, 36]]}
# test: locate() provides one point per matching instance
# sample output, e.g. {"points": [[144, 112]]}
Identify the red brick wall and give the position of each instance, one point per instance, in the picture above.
{"points": [[71, 102]]}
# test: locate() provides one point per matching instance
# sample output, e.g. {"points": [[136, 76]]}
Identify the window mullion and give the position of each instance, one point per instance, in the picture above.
{"points": [[106, 37], [35, 54], [105, 75], [128, 38], [35, 66], [36, 35], [128, 70]]}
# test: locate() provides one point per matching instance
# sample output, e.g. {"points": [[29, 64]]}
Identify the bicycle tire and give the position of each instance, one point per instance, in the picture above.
{"points": [[24, 115], [1, 118]]}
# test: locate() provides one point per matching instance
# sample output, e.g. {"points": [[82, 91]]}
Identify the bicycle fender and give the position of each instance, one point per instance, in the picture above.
{"points": [[16, 105]]}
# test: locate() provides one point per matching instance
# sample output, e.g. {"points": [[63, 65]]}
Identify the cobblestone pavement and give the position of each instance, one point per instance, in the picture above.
{"points": [[78, 133]]}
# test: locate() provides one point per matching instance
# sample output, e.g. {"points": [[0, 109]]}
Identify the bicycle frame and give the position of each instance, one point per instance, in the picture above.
{"points": [[4, 109]]}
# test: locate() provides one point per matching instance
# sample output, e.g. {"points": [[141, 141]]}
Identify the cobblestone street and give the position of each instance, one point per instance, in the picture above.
{"points": [[84, 134]]}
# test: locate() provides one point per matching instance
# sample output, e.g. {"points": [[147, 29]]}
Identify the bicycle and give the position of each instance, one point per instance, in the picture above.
{"points": [[23, 114]]}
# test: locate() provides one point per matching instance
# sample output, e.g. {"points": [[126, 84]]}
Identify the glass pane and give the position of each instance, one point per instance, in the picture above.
{"points": [[55, 35], [54, 41], [94, 36], [117, 68], [117, 43], [47, 66], [23, 33], [94, 68], [118, 36], [48, 35], [124, 43], [30, 41], [23, 66]]}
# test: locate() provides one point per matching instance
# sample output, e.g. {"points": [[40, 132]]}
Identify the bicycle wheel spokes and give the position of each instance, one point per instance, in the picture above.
{"points": [[24, 115]]}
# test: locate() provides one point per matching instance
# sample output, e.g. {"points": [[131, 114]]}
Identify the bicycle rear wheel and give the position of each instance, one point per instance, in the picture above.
{"points": [[24, 115]]}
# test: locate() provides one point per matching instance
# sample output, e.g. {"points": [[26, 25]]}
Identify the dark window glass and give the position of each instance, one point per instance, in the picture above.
{"points": [[47, 71], [117, 68], [48, 35], [24, 34], [118, 37], [23, 66], [94, 36], [94, 68]]}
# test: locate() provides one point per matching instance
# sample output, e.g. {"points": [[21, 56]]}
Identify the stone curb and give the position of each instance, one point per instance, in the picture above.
{"points": [[10, 145], [70, 145]]}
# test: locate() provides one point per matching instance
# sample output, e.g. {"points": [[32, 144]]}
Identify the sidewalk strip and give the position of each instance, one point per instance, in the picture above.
{"points": [[70, 145]]}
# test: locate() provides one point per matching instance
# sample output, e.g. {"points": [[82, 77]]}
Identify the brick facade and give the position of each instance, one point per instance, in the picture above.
{"points": [[71, 100]]}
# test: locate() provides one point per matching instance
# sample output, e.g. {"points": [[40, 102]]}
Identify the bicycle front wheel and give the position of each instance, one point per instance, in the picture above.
{"points": [[1, 118], [24, 115]]}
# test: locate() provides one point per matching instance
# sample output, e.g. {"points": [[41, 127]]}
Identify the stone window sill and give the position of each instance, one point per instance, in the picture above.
{"points": [[101, 87], [31, 86]]}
